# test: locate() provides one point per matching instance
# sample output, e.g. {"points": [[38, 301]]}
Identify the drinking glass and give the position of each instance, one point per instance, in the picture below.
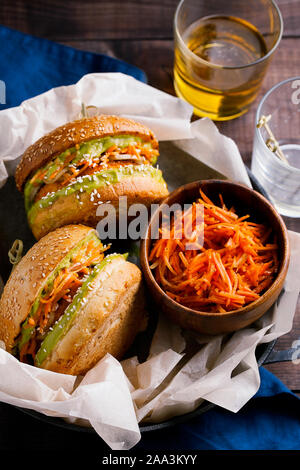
{"points": [[280, 178], [222, 51]]}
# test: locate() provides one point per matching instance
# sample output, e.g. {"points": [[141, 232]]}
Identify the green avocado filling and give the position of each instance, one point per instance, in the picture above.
{"points": [[90, 182], [26, 329], [86, 151], [65, 322]]}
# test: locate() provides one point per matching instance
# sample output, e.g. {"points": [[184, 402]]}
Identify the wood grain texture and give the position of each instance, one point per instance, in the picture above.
{"points": [[141, 32], [91, 19], [108, 19]]}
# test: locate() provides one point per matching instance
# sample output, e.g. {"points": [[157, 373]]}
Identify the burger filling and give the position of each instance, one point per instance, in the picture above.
{"points": [[87, 159], [57, 295]]}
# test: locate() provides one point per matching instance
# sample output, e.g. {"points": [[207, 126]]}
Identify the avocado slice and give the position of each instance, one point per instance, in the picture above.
{"points": [[63, 325]]}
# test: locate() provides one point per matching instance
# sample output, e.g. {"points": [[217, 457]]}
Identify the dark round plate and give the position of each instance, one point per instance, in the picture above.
{"points": [[262, 353]]}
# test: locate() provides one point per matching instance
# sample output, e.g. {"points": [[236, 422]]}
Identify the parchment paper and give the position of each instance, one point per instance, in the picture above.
{"points": [[114, 397]]}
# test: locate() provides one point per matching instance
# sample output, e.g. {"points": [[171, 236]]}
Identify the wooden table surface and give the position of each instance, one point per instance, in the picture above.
{"points": [[140, 32]]}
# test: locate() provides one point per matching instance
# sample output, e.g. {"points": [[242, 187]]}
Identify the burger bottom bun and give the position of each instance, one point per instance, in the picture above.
{"points": [[81, 208], [108, 322]]}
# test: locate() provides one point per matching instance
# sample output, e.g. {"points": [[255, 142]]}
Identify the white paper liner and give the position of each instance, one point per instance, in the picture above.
{"points": [[114, 397]]}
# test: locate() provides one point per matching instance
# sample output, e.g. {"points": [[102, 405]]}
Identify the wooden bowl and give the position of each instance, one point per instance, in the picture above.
{"points": [[245, 201]]}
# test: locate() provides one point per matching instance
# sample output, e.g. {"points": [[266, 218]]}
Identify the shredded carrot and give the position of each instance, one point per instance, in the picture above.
{"points": [[236, 263]]}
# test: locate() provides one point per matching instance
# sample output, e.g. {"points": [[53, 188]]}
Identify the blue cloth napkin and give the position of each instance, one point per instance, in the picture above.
{"points": [[271, 420], [30, 66]]}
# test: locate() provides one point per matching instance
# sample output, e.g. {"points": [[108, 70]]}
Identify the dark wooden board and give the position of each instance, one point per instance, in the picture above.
{"points": [[108, 19]]}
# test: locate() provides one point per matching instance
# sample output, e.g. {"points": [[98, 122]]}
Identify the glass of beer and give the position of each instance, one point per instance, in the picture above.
{"points": [[222, 51]]}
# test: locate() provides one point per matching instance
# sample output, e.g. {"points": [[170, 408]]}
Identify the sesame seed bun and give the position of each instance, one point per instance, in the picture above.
{"points": [[107, 318], [73, 133], [29, 276]]}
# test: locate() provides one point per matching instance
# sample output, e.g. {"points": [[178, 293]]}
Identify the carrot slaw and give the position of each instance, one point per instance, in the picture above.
{"points": [[236, 263]]}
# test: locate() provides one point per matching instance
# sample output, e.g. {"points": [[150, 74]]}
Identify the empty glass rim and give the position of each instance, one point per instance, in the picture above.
{"points": [[228, 67], [257, 118]]}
